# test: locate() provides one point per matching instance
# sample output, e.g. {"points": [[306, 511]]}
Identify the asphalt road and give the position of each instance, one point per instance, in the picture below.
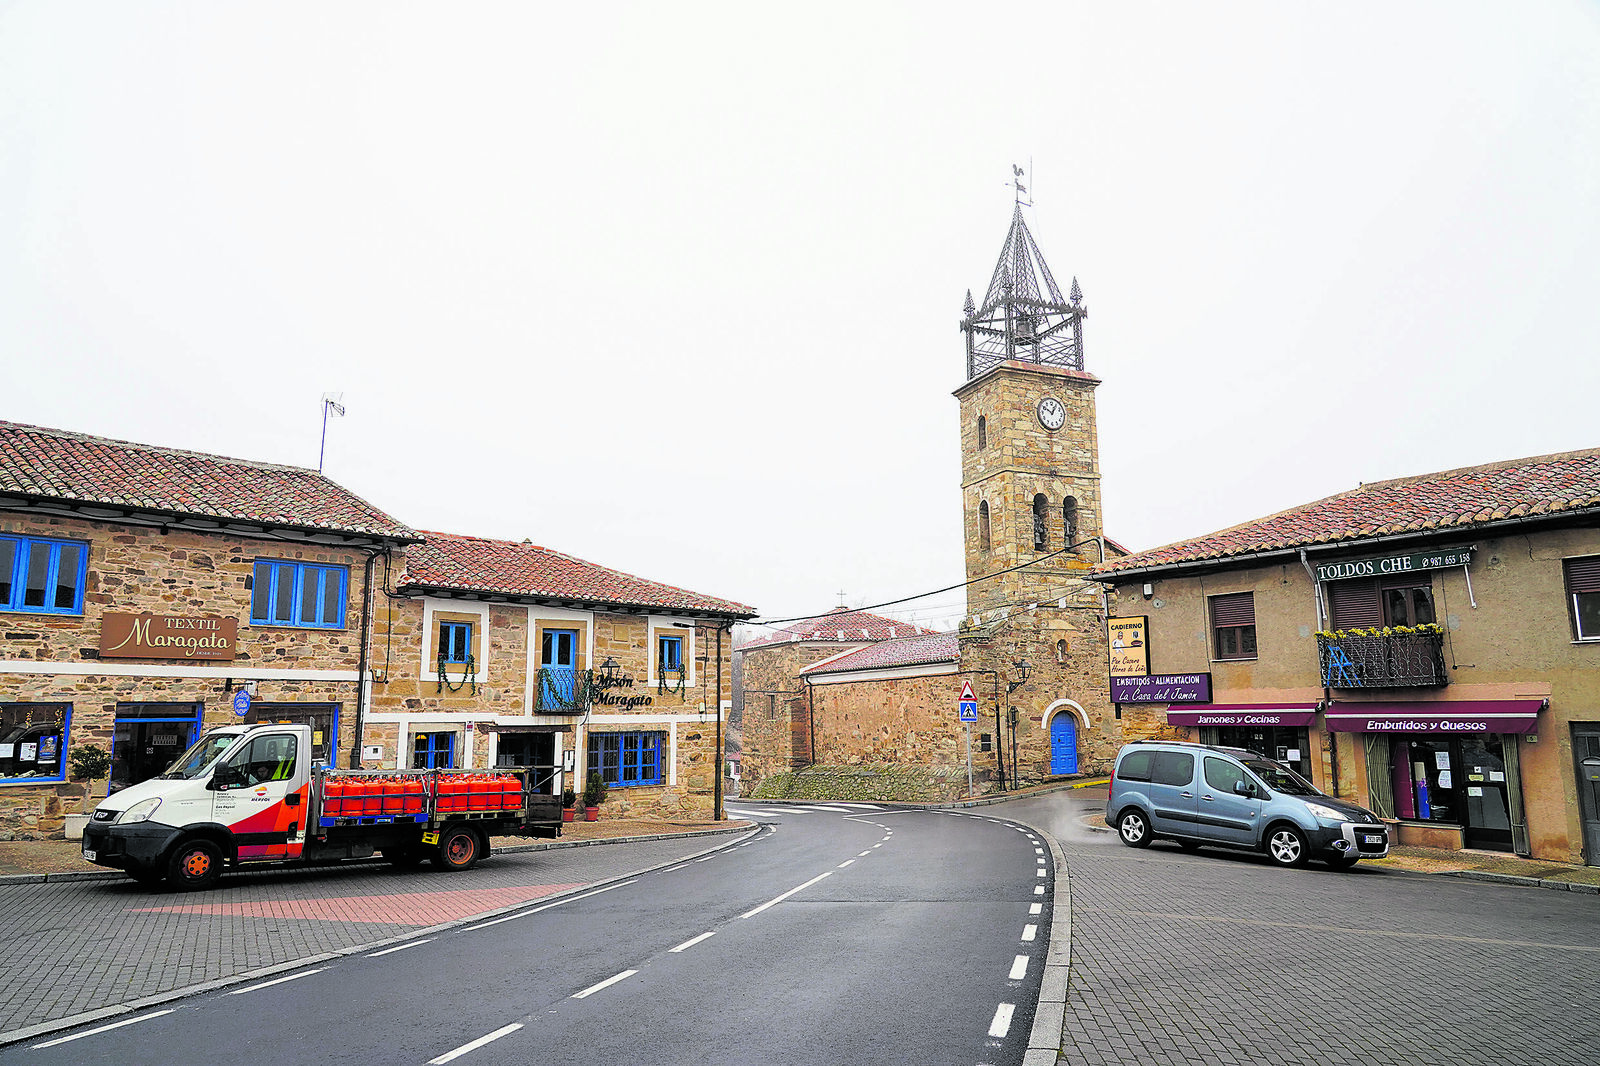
{"points": [[835, 935], [1216, 957]]}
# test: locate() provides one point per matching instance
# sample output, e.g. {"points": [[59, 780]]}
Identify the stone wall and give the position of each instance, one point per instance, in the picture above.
{"points": [[771, 686]]}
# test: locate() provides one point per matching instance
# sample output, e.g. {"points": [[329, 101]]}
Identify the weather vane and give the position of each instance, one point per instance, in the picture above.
{"points": [[1017, 174]]}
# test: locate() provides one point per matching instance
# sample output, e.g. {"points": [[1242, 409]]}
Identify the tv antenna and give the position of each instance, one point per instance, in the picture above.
{"points": [[330, 402]]}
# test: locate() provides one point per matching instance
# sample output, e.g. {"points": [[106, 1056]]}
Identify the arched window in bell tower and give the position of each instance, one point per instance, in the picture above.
{"points": [[1069, 519], [983, 525], [983, 433], [1041, 536]]}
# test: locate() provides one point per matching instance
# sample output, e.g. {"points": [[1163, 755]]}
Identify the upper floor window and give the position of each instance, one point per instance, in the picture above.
{"points": [[40, 575], [1041, 535], [983, 525], [1233, 626], [1583, 593], [983, 433], [669, 653], [455, 641], [298, 594], [1069, 520], [1370, 603]]}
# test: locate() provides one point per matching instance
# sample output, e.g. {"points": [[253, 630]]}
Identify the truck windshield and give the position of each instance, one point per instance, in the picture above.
{"points": [[1280, 778], [198, 759]]}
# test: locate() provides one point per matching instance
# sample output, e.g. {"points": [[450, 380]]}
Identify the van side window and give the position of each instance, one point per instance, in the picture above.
{"points": [[268, 758], [1135, 766], [1173, 768], [1222, 775]]}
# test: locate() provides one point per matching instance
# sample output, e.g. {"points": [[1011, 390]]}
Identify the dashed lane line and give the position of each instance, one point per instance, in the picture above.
{"points": [[786, 895], [1029, 932], [278, 981], [607, 983], [547, 906], [687, 944], [1019, 968], [103, 1028], [1002, 1020], [504, 1030], [401, 947]]}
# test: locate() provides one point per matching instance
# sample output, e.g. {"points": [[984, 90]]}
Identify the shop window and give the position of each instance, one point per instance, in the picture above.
{"points": [[455, 641], [33, 742], [298, 594], [669, 654], [983, 525], [983, 433], [1583, 595], [625, 760], [1069, 520], [433, 751], [1233, 626], [1041, 533], [43, 576]]}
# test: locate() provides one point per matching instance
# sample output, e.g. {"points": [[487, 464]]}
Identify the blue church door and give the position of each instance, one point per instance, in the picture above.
{"points": [[1064, 744]]}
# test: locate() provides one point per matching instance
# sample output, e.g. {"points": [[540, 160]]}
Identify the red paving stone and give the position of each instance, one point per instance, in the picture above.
{"points": [[411, 908]]}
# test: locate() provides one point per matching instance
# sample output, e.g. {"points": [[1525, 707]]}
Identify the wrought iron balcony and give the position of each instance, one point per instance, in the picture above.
{"points": [[1374, 659], [563, 690]]}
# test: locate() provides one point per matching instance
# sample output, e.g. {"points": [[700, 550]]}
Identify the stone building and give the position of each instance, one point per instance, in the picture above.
{"points": [[773, 729], [496, 653], [1428, 647], [143, 588]]}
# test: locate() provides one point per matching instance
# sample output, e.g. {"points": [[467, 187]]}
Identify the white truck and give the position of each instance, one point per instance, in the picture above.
{"points": [[250, 794]]}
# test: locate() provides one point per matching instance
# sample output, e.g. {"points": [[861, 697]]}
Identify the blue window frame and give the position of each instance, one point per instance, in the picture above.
{"points": [[42, 576], [298, 594], [624, 760], [433, 751], [669, 653], [33, 742], [455, 641]]}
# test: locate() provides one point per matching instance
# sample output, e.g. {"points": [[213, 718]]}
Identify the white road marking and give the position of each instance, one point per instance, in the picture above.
{"points": [[1002, 1019], [279, 981], [786, 895], [103, 1029], [1029, 932], [863, 806], [687, 944], [824, 810], [504, 1030], [547, 906], [877, 845], [842, 865], [607, 983], [864, 854], [1038, 851], [1040, 872], [1019, 968], [1036, 908], [1038, 890], [402, 947], [703, 858]]}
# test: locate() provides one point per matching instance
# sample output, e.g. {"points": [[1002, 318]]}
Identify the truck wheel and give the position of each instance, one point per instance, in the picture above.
{"points": [[195, 864], [458, 849]]}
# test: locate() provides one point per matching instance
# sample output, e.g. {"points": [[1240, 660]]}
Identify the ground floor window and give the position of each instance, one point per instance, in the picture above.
{"points": [[433, 751], [625, 759], [1456, 781], [33, 741], [1289, 745], [146, 738], [322, 718]]}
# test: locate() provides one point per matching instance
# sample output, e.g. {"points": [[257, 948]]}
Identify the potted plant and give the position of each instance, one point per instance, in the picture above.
{"points": [[89, 763], [569, 801], [594, 791]]}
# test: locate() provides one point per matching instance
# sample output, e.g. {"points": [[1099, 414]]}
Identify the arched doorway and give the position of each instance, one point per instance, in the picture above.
{"points": [[1064, 737]]}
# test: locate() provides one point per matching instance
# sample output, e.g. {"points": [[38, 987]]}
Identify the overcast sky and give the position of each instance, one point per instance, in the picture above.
{"points": [[676, 287]]}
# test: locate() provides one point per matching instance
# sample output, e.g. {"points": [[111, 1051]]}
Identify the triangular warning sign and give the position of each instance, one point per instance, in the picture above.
{"points": [[966, 691]]}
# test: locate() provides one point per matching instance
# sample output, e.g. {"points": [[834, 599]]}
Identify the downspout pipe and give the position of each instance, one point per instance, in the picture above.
{"points": [[716, 794], [361, 663]]}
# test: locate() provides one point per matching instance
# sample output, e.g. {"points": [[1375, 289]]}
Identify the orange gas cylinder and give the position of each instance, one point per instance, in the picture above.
{"points": [[332, 797], [510, 792], [393, 795], [484, 795], [371, 797], [413, 796], [449, 792]]}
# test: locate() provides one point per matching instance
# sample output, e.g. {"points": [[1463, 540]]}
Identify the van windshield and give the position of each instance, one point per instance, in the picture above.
{"points": [[198, 759], [1279, 778]]}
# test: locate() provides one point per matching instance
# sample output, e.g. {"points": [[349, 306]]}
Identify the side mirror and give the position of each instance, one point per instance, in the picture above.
{"points": [[1244, 788], [226, 777]]}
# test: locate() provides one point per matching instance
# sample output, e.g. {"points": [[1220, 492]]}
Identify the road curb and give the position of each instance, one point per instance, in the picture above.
{"points": [[1050, 1016], [38, 1029]]}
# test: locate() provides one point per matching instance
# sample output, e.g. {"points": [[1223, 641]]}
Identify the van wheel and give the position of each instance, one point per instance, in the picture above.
{"points": [[458, 849], [1133, 829], [194, 865], [1286, 846]]}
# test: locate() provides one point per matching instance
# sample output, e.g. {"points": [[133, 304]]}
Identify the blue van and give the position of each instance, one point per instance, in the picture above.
{"points": [[1202, 794]]}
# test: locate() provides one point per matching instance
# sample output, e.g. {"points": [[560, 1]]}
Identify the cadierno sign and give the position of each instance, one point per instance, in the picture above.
{"points": [[166, 636], [1394, 564]]}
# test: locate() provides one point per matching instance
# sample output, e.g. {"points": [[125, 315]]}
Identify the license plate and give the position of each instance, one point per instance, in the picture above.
{"points": [[1372, 841], [88, 853]]}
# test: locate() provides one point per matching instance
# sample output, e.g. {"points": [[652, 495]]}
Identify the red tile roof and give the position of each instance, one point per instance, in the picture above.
{"points": [[840, 624], [447, 561], [907, 651], [53, 464], [1445, 501]]}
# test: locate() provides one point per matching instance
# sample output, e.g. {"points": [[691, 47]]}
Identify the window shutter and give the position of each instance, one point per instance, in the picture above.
{"points": [[1355, 604], [1235, 609], [1583, 575]]}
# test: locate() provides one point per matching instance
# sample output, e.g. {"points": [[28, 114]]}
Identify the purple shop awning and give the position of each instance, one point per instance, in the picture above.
{"points": [[1244, 714], [1445, 717]]}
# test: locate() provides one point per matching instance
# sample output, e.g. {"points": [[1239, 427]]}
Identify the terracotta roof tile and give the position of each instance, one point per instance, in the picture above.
{"points": [[474, 564], [907, 651], [54, 464], [1539, 485], [841, 625]]}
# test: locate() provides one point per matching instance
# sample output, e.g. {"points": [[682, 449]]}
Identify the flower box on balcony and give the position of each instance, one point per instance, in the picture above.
{"points": [[1397, 657]]}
